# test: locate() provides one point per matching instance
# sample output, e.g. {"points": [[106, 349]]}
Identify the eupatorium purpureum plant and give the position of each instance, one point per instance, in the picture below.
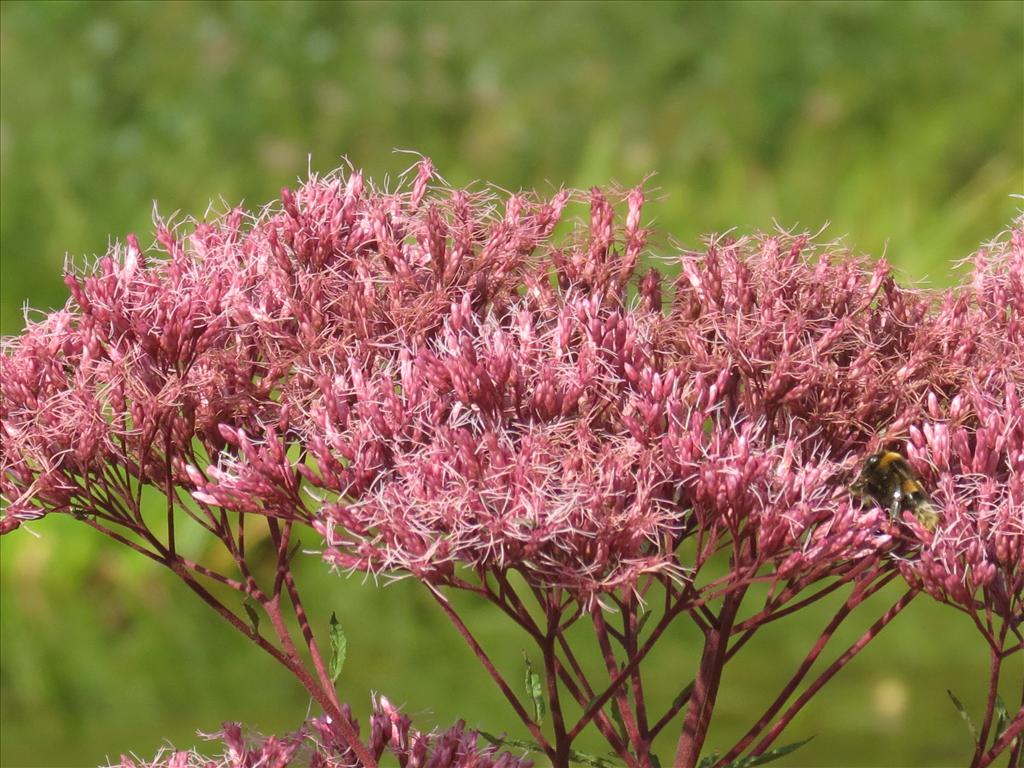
{"points": [[445, 390]]}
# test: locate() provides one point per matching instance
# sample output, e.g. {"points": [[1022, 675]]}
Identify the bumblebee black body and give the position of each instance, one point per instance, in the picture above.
{"points": [[888, 479]]}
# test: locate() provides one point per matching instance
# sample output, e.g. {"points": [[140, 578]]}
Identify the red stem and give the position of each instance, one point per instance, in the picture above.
{"points": [[705, 685], [671, 612], [774, 609], [621, 698], [857, 597], [338, 720], [324, 696], [678, 703], [484, 659], [1013, 731], [993, 690], [584, 694], [1018, 745], [629, 629], [168, 490], [829, 673], [582, 691], [562, 743], [307, 633]]}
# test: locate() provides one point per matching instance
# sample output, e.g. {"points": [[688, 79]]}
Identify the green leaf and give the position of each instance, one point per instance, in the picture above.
{"points": [[506, 741], [768, 757], [684, 695], [750, 761], [617, 718], [535, 690], [254, 617], [582, 758], [643, 621], [339, 646], [1002, 718], [963, 713], [592, 760]]}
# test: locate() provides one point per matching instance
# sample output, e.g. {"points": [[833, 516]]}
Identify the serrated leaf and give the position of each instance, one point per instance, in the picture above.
{"points": [[535, 690], [505, 741], [1002, 718], [582, 758], [254, 617], [339, 648], [643, 621], [963, 713], [684, 695], [592, 760], [767, 757]]}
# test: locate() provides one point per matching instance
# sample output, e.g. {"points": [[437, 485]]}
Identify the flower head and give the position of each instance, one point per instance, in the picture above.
{"points": [[433, 382]]}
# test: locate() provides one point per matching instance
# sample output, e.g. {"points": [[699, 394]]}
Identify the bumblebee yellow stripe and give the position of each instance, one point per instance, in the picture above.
{"points": [[888, 458], [909, 486]]}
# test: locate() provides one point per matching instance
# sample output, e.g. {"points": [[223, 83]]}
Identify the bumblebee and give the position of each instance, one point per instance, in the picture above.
{"points": [[888, 479]]}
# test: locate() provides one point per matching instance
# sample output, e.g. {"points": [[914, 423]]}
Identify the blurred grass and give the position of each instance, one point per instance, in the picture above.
{"points": [[901, 124]]}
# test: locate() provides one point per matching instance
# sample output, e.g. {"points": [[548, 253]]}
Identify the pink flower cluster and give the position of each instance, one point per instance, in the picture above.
{"points": [[444, 388], [970, 444], [432, 382], [317, 746]]}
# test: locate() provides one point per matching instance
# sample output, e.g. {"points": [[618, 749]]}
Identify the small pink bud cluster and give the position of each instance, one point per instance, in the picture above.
{"points": [[970, 446], [316, 745]]}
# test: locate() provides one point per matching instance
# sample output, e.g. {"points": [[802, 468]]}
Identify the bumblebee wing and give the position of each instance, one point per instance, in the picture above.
{"points": [[926, 515], [902, 470], [896, 501]]}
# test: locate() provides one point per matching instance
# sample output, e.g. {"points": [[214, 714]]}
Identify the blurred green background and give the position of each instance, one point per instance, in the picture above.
{"points": [[901, 124]]}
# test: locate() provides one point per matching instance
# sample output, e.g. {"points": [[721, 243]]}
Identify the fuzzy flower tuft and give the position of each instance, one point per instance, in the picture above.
{"points": [[315, 745], [433, 383]]}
